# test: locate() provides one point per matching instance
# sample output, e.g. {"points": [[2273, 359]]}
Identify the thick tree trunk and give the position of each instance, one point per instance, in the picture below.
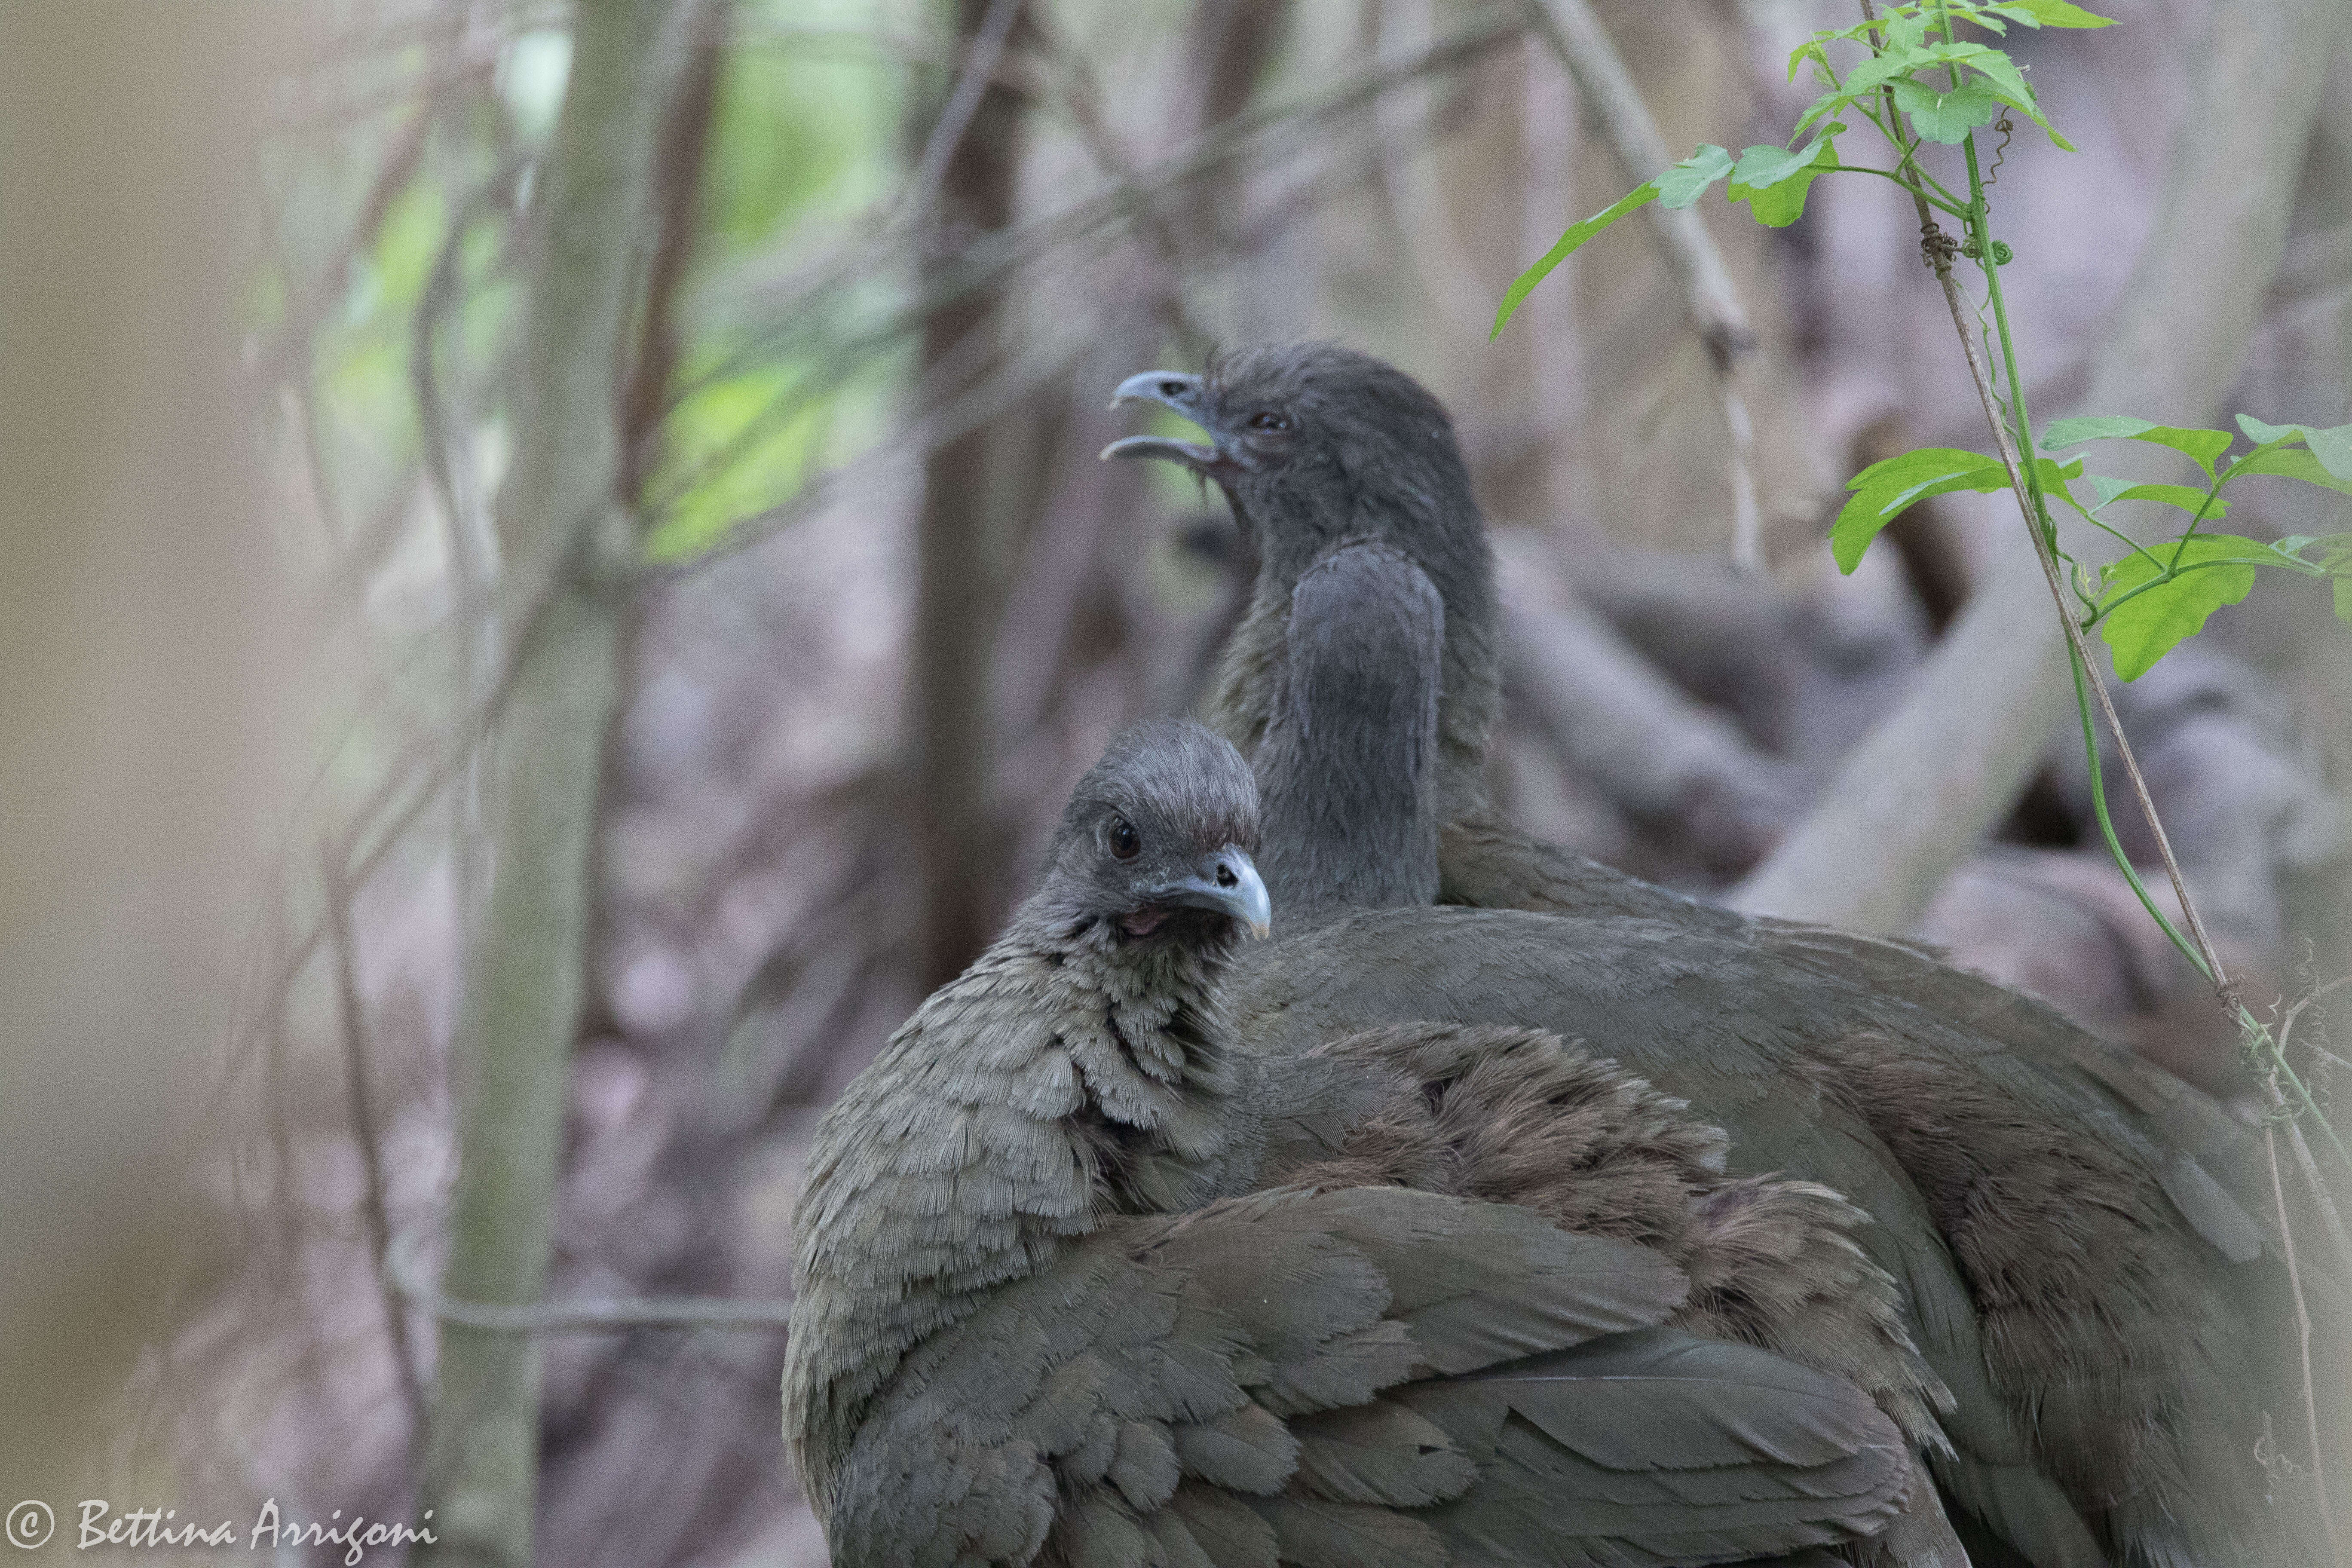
{"points": [[950, 738], [568, 540], [1915, 797]]}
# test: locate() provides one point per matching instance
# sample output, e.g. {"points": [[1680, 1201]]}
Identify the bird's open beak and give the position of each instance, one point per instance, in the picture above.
{"points": [[1180, 393], [1228, 883]]}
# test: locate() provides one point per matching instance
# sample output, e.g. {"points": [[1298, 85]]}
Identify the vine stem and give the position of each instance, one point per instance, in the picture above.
{"points": [[2026, 484]]}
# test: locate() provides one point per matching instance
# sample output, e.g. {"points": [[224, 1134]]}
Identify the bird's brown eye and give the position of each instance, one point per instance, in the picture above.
{"points": [[1268, 421], [1124, 842]]}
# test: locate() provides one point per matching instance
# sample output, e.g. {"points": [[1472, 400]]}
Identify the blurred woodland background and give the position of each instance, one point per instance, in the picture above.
{"points": [[577, 566]]}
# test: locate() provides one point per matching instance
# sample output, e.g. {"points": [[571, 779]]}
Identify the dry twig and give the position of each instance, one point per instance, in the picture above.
{"points": [[2302, 1336], [1709, 298], [360, 1098], [603, 1316]]}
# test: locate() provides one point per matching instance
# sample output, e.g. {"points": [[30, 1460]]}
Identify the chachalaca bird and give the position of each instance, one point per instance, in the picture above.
{"points": [[2064, 1249], [1081, 1281]]}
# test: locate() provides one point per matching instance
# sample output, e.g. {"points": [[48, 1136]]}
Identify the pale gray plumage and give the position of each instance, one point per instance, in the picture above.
{"points": [[2060, 1217], [1078, 1284]]}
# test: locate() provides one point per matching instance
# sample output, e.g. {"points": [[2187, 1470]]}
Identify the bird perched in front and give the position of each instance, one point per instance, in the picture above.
{"points": [[2049, 1204], [1049, 1308]]}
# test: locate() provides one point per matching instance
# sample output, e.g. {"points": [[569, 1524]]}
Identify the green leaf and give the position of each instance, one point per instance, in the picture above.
{"points": [[2002, 71], [2052, 14], [1949, 115], [2144, 628], [1688, 181], [2291, 545], [2008, 83], [1883, 489], [2333, 447], [2056, 140], [1761, 168], [2201, 446], [1640, 196], [1823, 108], [1779, 199], [1879, 69], [2187, 498], [2106, 487], [2096, 427], [2263, 435], [2293, 463], [2344, 600]]}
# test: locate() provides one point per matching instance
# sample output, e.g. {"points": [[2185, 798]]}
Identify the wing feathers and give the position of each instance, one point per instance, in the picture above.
{"points": [[1267, 1378], [1482, 1283], [1224, 1528], [1247, 1449], [1657, 1448], [1384, 1453], [1318, 1534]]}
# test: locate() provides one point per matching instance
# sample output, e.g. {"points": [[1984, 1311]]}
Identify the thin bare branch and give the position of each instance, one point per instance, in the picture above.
{"points": [[2302, 1334], [987, 261], [955, 117], [945, 421], [361, 1099], [1712, 302], [605, 1316], [290, 344]]}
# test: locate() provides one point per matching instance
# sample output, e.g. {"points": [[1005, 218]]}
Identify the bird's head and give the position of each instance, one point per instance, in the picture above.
{"points": [[1313, 445], [1318, 446], [1155, 847]]}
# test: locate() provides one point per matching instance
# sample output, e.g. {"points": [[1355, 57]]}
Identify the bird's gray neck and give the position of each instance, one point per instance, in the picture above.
{"points": [[1242, 696], [1055, 1083], [1347, 769]]}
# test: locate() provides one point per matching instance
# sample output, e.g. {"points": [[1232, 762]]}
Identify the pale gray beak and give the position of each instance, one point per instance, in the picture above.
{"points": [[1172, 388], [1228, 883], [1180, 393]]}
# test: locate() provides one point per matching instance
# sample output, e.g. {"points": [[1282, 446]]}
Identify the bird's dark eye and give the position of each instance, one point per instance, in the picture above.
{"points": [[1124, 842], [1268, 421]]}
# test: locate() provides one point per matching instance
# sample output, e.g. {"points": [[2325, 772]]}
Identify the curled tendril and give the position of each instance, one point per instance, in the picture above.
{"points": [[1992, 175], [2001, 254]]}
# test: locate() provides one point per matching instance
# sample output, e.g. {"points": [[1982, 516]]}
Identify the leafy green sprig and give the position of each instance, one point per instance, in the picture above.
{"points": [[2155, 597], [1921, 82], [1980, 80]]}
